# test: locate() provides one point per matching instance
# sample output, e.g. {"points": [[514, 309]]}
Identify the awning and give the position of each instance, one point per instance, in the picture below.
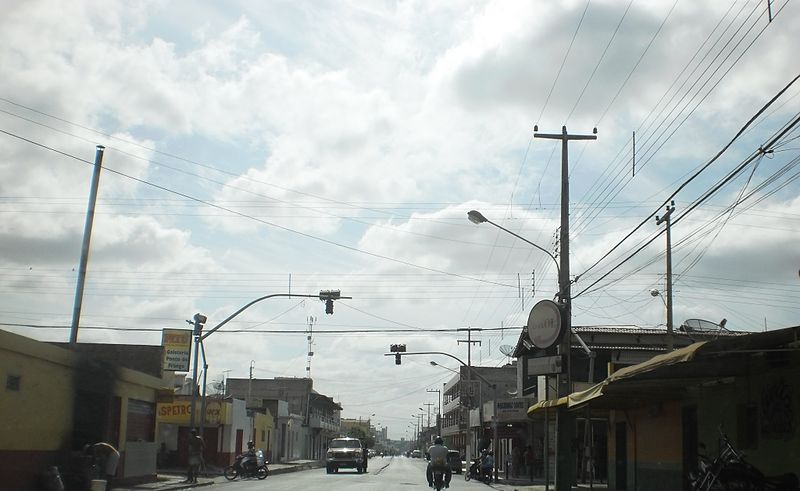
{"points": [[549, 403], [667, 376]]}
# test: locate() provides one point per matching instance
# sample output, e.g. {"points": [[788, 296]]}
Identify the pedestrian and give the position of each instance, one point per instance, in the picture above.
{"points": [[529, 461], [507, 461], [196, 447], [516, 461], [106, 457]]}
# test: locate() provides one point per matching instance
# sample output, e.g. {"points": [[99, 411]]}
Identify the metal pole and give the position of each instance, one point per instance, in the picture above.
{"points": [[87, 236], [194, 375], [203, 400], [495, 440]]}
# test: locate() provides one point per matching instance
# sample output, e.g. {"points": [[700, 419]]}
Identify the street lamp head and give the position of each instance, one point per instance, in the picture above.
{"points": [[434, 363], [476, 217]]}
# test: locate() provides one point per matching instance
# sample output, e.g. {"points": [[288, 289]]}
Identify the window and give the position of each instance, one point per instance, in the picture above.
{"points": [[12, 382]]}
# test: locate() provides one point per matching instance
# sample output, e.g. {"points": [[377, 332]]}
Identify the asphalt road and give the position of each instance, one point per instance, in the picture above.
{"points": [[385, 474]]}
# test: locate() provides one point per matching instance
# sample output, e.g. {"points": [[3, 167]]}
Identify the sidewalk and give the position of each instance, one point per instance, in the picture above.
{"points": [[525, 484], [173, 479]]}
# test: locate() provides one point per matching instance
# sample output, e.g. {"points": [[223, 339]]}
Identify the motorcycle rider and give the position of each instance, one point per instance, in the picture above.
{"points": [[487, 465], [438, 453], [249, 461]]}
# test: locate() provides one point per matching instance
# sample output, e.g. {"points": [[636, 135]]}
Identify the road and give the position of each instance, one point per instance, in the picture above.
{"points": [[385, 474]]}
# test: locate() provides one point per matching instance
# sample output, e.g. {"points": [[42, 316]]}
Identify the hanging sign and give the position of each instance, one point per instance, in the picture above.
{"points": [[544, 324]]}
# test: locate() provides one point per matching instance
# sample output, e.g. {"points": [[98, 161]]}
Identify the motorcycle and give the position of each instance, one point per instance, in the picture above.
{"points": [[730, 470], [477, 472], [248, 466], [438, 479]]}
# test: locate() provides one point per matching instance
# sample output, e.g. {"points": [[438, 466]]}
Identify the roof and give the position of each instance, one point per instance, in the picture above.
{"points": [[627, 337]]}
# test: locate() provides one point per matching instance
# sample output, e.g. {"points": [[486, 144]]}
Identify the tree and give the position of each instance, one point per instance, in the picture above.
{"points": [[357, 432]]}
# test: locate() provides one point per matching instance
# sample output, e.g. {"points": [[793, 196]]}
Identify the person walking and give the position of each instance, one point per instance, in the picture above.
{"points": [[516, 461], [529, 461], [196, 448]]}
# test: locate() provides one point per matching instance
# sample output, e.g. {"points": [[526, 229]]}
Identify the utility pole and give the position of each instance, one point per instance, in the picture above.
{"points": [[439, 418], [469, 342], [249, 404], [659, 220], [311, 320], [87, 236], [565, 422], [428, 405]]}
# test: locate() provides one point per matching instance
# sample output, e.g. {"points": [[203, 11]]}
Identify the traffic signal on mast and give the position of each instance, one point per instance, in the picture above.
{"points": [[397, 349]]}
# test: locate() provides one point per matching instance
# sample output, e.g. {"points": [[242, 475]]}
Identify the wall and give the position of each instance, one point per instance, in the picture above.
{"points": [[37, 409], [30, 441], [654, 447]]}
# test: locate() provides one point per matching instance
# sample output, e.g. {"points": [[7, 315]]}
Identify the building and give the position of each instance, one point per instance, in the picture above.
{"points": [[660, 411], [57, 400], [305, 421], [595, 352], [468, 403], [225, 429]]}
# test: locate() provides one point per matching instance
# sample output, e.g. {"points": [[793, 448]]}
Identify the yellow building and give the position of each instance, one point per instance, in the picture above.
{"points": [[57, 400], [226, 429]]}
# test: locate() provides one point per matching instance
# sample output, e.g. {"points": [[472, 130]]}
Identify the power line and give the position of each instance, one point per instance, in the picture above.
{"points": [[243, 215]]}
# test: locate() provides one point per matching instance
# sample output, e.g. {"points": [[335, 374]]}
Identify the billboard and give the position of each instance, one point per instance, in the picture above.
{"points": [[177, 345]]}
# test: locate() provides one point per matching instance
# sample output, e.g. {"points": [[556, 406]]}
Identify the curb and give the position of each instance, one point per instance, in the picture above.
{"points": [[177, 485]]}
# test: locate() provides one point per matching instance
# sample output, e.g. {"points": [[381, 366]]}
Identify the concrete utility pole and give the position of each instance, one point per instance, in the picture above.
{"points": [[87, 236], [438, 419], [428, 405], [469, 342], [659, 221], [565, 422]]}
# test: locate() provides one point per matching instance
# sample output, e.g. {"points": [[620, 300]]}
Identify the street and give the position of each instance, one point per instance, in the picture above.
{"points": [[386, 474]]}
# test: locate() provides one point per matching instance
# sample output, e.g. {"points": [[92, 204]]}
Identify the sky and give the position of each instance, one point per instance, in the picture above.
{"points": [[258, 148]]}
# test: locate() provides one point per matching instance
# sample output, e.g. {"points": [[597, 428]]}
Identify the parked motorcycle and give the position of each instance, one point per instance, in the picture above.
{"points": [[730, 470], [248, 466], [477, 473]]}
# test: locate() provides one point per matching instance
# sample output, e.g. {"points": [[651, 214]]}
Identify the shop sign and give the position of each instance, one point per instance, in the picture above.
{"points": [[512, 409], [177, 345], [180, 412]]}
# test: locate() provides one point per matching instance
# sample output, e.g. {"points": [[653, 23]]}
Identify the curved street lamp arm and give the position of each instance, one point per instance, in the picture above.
{"points": [[471, 368], [558, 268]]}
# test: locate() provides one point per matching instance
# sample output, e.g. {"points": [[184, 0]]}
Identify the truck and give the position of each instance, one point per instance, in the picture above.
{"points": [[345, 453]]}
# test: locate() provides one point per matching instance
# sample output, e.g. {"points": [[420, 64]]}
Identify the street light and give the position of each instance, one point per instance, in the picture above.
{"points": [[565, 424], [442, 366], [477, 218], [495, 441]]}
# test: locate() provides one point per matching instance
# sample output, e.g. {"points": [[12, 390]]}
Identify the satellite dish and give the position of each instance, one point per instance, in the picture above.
{"points": [[507, 349]]}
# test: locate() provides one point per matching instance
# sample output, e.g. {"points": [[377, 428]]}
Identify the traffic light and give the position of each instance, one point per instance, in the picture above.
{"points": [[199, 320], [329, 306], [397, 349]]}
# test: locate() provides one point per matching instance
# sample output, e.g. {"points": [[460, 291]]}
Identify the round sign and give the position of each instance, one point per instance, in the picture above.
{"points": [[544, 324]]}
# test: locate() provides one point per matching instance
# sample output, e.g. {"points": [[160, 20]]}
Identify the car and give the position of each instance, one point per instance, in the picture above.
{"points": [[454, 461], [416, 454], [346, 453]]}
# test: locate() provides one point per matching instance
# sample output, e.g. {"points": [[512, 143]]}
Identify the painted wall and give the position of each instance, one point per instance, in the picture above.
{"points": [[654, 447], [37, 408]]}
